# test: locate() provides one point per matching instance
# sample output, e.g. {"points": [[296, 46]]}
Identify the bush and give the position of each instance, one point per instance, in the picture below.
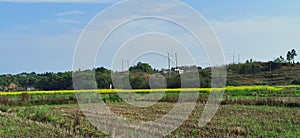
{"points": [[296, 82], [114, 97], [51, 118], [38, 113], [4, 108]]}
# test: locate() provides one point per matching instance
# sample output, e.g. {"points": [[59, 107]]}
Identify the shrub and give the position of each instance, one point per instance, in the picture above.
{"points": [[4, 108], [38, 113], [51, 118], [296, 82]]}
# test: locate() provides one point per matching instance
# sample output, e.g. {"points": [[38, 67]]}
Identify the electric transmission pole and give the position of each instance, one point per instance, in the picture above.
{"points": [[233, 57], [169, 64], [176, 60], [128, 64], [122, 65]]}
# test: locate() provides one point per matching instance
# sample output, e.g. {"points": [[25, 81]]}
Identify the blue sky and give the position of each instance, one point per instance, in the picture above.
{"points": [[41, 35]]}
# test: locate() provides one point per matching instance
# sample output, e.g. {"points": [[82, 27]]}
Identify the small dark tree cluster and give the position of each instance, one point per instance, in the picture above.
{"points": [[291, 56], [141, 67]]}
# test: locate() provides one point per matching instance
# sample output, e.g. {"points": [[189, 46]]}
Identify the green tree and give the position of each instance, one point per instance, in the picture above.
{"points": [[139, 82], [84, 80], [279, 60], [174, 82], [289, 56], [293, 55], [141, 67], [103, 77]]}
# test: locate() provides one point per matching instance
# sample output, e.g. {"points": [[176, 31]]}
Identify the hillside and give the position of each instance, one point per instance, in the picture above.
{"points": [[285, 75]]}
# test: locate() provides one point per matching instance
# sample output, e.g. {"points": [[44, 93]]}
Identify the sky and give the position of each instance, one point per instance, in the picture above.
{"points": [[41, 35]]}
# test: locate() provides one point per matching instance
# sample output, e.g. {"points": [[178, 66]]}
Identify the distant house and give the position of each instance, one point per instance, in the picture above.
{"points": [[164, 71], [12, 87], [179, 71], [29, 89]]}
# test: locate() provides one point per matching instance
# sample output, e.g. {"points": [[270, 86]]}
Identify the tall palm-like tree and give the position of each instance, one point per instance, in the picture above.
{"points": [[293, 55], [289, 56]]}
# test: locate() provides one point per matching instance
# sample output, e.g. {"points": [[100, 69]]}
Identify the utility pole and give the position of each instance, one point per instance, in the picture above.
{"points": [[176, 60], [128, 64], [233, 57], [122, 65], [169, 64], [239, 59]]}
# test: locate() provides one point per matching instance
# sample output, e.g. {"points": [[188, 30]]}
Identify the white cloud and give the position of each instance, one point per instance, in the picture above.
{"points": [[61, 21], [73, 12], [60, 1]]}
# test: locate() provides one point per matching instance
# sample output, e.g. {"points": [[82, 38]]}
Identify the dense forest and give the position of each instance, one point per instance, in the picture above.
{"points": [[278, 72]]}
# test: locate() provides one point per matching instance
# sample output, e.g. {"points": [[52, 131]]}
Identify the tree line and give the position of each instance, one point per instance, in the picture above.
{"points": [[139, 75]]}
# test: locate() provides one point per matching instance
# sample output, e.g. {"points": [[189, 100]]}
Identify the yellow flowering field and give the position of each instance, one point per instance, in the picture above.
{"points": [[104, 91]]}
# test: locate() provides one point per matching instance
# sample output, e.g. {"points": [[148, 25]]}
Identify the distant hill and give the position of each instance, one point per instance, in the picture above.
{"points": [[283, 74]]}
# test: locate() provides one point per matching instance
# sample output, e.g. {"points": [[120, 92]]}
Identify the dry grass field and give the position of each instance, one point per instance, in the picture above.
{"points": [[243, 112]]}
